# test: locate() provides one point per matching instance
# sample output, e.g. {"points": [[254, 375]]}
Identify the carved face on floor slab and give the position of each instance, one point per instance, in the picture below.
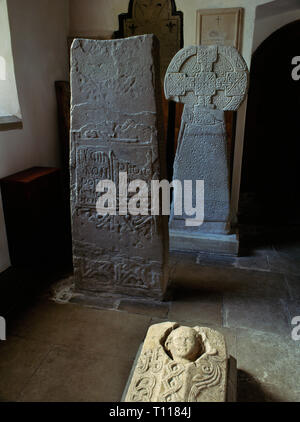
{"points": [[180, 364], [184, 344]]}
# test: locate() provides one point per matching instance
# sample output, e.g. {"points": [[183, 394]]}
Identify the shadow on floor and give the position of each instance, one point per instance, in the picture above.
{"points": [[250, 390]]}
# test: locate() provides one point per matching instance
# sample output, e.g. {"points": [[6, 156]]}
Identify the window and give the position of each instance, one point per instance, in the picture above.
{"points": [[9, 103], [2, 69]]}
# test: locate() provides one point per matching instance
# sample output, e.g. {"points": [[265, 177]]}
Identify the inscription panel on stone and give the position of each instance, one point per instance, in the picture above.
{"points": [[96, 165]]}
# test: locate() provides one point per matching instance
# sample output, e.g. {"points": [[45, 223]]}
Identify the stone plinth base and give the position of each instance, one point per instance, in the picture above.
{"points": [[204, 242]]}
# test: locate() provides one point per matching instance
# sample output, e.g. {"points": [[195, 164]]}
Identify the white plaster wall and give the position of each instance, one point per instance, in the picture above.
{"points": [[190, 7], [266, 26], [39, 30], [9, 104], [95, 17], [100, 17]]}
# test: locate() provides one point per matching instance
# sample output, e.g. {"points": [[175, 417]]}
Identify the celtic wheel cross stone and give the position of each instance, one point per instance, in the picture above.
{"points": [[208, 80]]}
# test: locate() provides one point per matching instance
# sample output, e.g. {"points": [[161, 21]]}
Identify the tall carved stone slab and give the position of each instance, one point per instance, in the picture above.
{"points": [[116, 127], [208, 80], [155, 17], [180, 364]]}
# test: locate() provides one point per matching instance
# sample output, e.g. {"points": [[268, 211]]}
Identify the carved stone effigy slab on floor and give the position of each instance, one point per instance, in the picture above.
{"points": [[208, 80], [116, 127], [181, 364]]}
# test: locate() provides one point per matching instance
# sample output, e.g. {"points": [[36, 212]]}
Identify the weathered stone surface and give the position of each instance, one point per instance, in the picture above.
{"points": [[202, 155], [180, 364], [208, 80], [116, 127], [209, 77], [159, 18]]}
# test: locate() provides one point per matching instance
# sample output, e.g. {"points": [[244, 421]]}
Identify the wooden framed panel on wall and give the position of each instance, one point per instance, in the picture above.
{"points": [[220, 26]]}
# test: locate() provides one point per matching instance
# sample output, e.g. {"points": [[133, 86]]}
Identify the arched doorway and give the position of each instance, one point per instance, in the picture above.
{"points": [[270, 188]]}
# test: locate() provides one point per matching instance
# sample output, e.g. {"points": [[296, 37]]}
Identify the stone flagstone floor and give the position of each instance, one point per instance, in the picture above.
{"points": [[73, 352]]}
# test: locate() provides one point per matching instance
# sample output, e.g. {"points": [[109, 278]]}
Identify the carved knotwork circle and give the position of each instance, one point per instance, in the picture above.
{"points": [[207, 76]]}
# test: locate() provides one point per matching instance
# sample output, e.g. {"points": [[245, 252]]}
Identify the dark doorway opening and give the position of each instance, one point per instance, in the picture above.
{"points": [[270, 188]]}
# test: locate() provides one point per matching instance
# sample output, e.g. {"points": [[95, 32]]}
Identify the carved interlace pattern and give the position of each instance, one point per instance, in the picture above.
{"points": [[172, 382], [207, 76], [210, 376], [149, 365]]}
